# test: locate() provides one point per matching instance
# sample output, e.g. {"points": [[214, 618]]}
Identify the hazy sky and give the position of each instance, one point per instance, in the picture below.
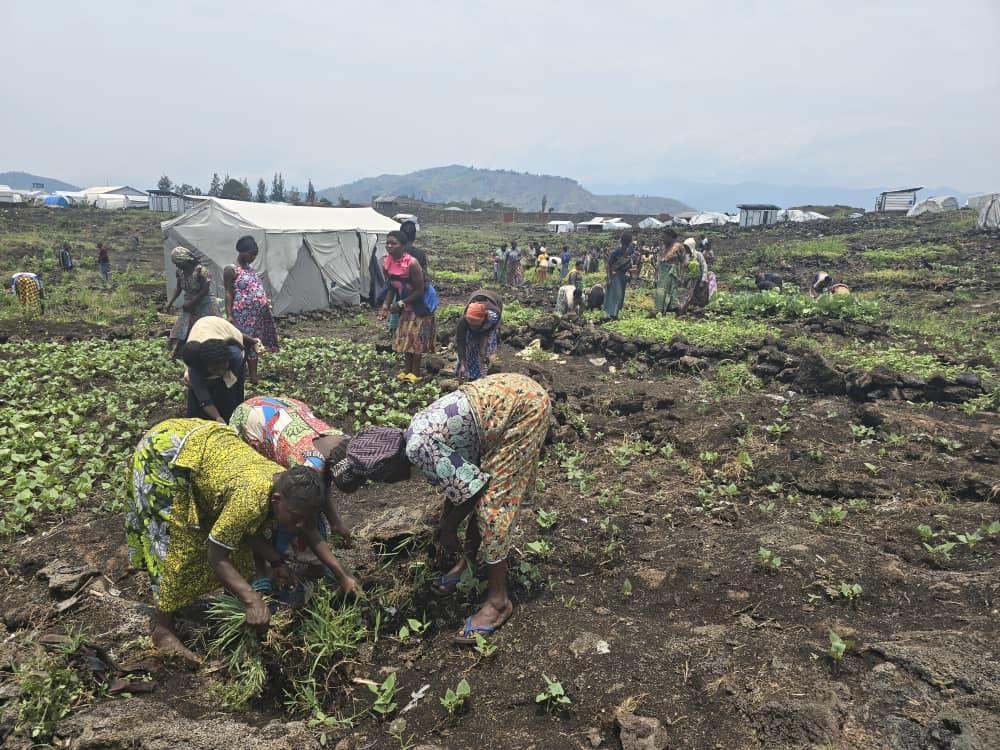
{"points": [[854, 93]]}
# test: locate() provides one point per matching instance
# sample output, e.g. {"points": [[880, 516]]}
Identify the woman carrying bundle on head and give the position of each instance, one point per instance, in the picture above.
{"points": [[247, 305], [194, 280], [478, 334], [200, 503]]}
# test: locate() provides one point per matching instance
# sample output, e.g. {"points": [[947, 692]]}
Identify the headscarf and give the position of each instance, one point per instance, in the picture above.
{"points": [[181, 255], [475, 313], [375, 453], [691, 243]]}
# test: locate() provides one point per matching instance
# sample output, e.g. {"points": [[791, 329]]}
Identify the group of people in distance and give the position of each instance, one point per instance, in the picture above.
{"points": [[29, 290]]}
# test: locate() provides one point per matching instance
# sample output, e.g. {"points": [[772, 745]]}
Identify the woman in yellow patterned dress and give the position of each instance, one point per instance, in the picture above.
{"points": [[29, 291], [200, 499]]}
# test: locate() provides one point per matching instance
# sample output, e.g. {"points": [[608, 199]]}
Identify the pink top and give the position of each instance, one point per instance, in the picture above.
{"points": [[398, 271]]}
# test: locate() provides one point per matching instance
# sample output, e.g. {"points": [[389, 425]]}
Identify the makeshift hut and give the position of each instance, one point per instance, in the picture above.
{"points": [[9, 195], [936, 204], [900, 199], [310, 257], [55, 201], [989, 210], [758, 214], [708, 217], [560, 227], [651, 223]]}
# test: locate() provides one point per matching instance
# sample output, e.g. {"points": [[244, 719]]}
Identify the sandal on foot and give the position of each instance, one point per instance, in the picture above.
{"points": [[470, 631], [445, 585]]}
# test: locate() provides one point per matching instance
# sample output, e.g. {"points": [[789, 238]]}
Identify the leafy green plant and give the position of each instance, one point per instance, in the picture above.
{"points": [[925, 532], [546, 519], [413, 627], [385, 695], [541, 548], [626, 588], [50, 688], [970, 538], [454, 700], [484, 647], [767, 559], [943, 549], [838, 647], [850, 591], [553, 697], [832, 516], [469, 584]]}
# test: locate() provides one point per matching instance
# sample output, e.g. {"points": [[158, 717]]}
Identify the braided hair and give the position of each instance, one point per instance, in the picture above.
{"points": [[303, 488]]}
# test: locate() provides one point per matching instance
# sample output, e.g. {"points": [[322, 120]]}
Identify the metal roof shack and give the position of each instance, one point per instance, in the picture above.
{"points": [[168, 201], [900, 199], [758, 214]]}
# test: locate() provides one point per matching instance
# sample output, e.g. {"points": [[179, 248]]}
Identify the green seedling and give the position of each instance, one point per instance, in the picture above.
{"points": [[626, 588], [990, 529], [541, 548], [553, 697], [838, 647], [850, 591], [708, 457], [767, 559], [830, 516], [468, 584], [862, 432], [774, 488], [385, 695], [943, 549], [453, 700], [413, 627], [872, 469], [925, 532], [971, 538], [778, 429], [546, 519], [483, 647]]}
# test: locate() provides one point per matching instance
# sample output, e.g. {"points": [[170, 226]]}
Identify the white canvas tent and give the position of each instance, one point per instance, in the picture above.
{"points": [[934, 205], [796, 215], [708, 217], [989, 210], [651, 223], [560, 227], [9, 195], [310, 257], [976, 202]]}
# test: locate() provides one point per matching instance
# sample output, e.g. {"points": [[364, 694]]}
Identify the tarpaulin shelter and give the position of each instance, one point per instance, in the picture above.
{"points": [[55, 201], [560, 227], [651, 223], [988, 206], [934, 205], [310, 257]]}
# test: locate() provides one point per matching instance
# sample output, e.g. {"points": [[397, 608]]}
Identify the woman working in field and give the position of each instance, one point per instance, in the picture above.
{"points": [[195, 282], [215, 355], [247, 305], [481, 444], [200, 500], [618, 265], [665, 298], [478, 334], [30, 293], [417, 330], [287, 432]]}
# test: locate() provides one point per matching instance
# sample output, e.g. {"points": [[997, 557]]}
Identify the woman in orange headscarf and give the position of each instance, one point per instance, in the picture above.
{"points": [[478, 334]]}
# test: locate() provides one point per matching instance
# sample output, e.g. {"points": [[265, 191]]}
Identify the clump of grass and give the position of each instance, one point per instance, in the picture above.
{"points": [[827, 248], [791, 303], [894, 358], [906, 254], [443, 275], [731, 379]]}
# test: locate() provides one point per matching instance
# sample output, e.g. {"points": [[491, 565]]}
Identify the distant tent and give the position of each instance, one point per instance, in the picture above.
{"points": [[976, 202], [9, 195], [651, 223], [934, 205], [560, 227], [797, 216], [310, 257], [708, 217], [111, 202], [989, 214], [55, 201], [407, 217]]}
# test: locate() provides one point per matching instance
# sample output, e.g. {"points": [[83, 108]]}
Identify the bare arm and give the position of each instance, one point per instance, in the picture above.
{"points": [[229, 280], [322, 550], [257, 612]]}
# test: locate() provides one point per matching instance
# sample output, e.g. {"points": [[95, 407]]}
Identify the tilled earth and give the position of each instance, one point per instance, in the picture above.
{"points": [[654, 601]]}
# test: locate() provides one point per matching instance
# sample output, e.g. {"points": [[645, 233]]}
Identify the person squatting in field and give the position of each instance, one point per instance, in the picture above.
{"points": [[823, 283], [201, 501], [247, 305], [477, 336]]}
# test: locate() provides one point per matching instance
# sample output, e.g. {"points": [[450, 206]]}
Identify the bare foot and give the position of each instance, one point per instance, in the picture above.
{"points": [[169, 644]]}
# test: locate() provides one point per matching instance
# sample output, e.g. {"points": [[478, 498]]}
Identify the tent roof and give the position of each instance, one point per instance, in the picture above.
{"points": [[282, 217], [902, 190], [759, 207]]}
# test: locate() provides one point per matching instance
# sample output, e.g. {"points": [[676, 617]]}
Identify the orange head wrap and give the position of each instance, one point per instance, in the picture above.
{"points": [[475, 313]]}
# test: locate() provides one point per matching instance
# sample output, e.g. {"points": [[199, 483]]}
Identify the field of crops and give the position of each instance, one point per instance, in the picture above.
{"points": [[771, 525]]}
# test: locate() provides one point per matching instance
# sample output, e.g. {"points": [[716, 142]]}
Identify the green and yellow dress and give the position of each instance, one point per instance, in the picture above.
{"points": [[194, 481]]}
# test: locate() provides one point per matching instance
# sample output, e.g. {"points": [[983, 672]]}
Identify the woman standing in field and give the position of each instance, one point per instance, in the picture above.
{"points": [[201, 499], [542, 266], [103, 263], [514, 267], [30, 293], [417, 329], [618, 265], [478, 335], [696, 291], [247, 305], [195, 281], [287, 432], [667, 274], [481, 444]]}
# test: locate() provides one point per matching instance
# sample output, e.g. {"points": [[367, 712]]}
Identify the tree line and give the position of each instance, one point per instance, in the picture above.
{"points": [[239, 190]]}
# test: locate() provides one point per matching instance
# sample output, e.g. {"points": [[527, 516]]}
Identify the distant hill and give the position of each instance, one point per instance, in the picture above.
{"points": [[24, 180], [521, 190]]}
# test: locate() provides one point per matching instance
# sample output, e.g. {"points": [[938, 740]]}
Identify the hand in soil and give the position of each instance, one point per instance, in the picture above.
{"points": [[352, 587], [258, 614]]}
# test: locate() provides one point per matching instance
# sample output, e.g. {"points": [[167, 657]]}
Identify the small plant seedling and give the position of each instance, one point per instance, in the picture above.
{"points": [[483, 647], [838, 647], [925, 532], [546, 519], [708, 457], [831, 516], [850, 591], [468, 584], [774, 488], [990, 529], [767, 559], [872, 468], [413, 627], [385, 695], [971, 538], [777, 429], [861, 432], [944, 549], [553, 697], [453, 700], [541, 548], [626, 588]]}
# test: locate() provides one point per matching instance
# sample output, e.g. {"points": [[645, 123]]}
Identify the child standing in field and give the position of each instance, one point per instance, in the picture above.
{"points": [[247, 304], [103, 263]]}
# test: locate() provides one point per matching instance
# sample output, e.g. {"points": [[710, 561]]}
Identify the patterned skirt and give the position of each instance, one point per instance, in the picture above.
{"points": [[415, 335], [174, 554], [28, 293], [258, 322]]}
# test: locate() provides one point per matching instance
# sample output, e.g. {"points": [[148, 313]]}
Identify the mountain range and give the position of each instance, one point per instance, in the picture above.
{"points": [[523, 191], [25, 181]]}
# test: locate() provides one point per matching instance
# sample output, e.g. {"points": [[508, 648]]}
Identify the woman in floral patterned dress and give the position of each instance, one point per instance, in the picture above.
{"points": [[247, 305], [200, 499]]}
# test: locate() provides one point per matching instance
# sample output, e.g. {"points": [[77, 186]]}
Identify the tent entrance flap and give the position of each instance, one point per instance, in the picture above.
{"points": [[303, 288], [338, 255]]}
